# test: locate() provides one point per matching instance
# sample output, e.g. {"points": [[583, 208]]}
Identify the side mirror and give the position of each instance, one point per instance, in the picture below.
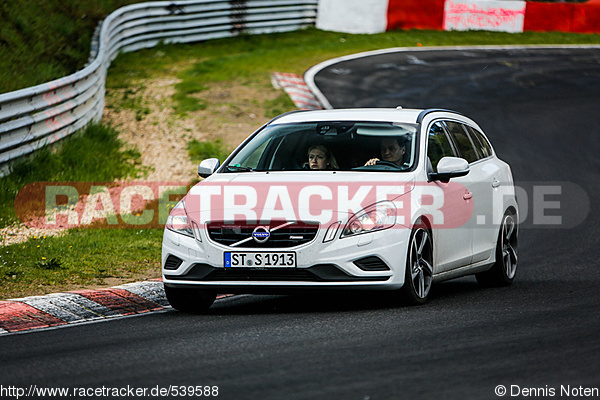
{"points": [[208, 167], [448, 168]]}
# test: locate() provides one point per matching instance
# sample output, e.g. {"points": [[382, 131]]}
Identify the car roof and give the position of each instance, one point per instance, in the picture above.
{"points": [[351, 114]]}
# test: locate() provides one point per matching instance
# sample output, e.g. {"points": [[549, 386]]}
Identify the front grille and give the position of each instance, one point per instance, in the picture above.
{"points": [[173, 262], [291, 235]]}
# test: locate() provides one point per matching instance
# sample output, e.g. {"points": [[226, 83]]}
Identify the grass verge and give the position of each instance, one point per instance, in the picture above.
{"points": [[200, 150], [93, 154], [83, 258]]}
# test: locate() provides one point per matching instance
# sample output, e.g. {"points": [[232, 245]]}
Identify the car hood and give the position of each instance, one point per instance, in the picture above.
{"points": [[319, 196]]}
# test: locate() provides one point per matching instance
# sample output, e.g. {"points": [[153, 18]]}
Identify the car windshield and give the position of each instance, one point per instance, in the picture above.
{"points": [[343, 146]]}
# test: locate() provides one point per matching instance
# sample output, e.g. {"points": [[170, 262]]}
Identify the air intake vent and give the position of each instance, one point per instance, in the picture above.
{"points": [[371, 263], [316, 273], [173, 262]]}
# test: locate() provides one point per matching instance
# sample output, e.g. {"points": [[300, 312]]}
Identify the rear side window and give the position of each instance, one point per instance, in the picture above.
{"points": [[483, 146], [438, 145], [464, 143]]}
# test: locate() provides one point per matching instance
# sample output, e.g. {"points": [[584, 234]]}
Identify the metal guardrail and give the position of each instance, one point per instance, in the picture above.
{"points": [[37, 116]]}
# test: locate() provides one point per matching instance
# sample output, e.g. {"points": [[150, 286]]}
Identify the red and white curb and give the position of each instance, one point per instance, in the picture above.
{"points": [[17, 315], [297, 89]]}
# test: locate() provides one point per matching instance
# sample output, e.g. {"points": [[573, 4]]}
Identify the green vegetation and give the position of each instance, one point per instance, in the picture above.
{"points": [[184, 99], [45, 40], [94, 154], [200, 150], [131, 100], [279, 105], [83, 258]]}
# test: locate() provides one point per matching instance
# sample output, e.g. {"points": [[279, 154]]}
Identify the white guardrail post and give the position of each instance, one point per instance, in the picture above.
{"points": [[40, 115]]}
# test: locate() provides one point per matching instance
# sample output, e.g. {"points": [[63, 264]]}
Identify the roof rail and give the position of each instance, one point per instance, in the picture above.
{"points": [[423, 113], [284, 114]]}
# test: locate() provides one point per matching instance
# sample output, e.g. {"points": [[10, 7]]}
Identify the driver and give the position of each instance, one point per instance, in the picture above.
{"points": [[392, 150]]}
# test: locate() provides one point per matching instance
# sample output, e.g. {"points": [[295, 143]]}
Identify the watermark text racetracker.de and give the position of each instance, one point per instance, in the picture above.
{"points": [[563, 391], [62, 205], [170, 391]]}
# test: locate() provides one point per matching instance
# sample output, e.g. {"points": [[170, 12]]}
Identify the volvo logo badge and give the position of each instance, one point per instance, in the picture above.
{"points": [[261, 234]]}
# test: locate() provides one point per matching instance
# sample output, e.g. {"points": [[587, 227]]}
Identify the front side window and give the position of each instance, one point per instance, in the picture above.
{"points": [[334, 145], [438, 145]]}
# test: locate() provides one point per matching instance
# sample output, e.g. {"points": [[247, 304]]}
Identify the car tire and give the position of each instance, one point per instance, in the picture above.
{"points": [[188, 300], [419, 267], [504, 269]]}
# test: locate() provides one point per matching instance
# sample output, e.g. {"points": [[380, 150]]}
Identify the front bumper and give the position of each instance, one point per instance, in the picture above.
{"points": [[371, 261]]}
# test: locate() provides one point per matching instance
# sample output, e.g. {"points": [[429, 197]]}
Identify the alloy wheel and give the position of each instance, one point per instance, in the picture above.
{"points": [[509, 246], [421, 263]]}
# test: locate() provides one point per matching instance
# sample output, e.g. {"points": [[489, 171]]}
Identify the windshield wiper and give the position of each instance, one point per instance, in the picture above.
{"points": [[238, 168]]}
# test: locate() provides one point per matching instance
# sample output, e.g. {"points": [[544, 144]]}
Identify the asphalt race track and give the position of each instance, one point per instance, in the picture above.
{"points": [[540, 108]]}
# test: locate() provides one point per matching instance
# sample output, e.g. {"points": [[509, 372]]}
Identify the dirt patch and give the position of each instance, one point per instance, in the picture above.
{"points": [[161, 135], [18, 233]]}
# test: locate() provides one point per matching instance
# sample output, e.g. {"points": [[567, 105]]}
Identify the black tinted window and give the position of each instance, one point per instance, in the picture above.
{"points": [[344, 146], [483, 146], [438, 145], [463, 141]]}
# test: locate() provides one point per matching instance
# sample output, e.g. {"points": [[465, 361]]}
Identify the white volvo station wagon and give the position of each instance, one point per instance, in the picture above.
{"points": [[347, 199]]}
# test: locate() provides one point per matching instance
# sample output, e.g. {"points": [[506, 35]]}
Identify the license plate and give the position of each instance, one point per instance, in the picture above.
{"points": [[260, 259]]}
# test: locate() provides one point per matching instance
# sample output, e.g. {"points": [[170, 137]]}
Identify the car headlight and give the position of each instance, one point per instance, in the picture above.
{"points": [[377, 217], [178, 220]]}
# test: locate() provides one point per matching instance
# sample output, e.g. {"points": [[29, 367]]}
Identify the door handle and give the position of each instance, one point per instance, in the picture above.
{"points": [[495, 183], [468, 195]]}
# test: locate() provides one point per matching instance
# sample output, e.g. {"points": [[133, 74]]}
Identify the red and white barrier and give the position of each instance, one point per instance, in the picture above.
{"points": [[563, 17], [373, 16], [464, 15], [351, 16]]}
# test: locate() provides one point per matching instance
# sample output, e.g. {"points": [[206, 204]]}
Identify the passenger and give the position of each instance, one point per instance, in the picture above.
{"points": [[319, 157], [392, 150]]}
